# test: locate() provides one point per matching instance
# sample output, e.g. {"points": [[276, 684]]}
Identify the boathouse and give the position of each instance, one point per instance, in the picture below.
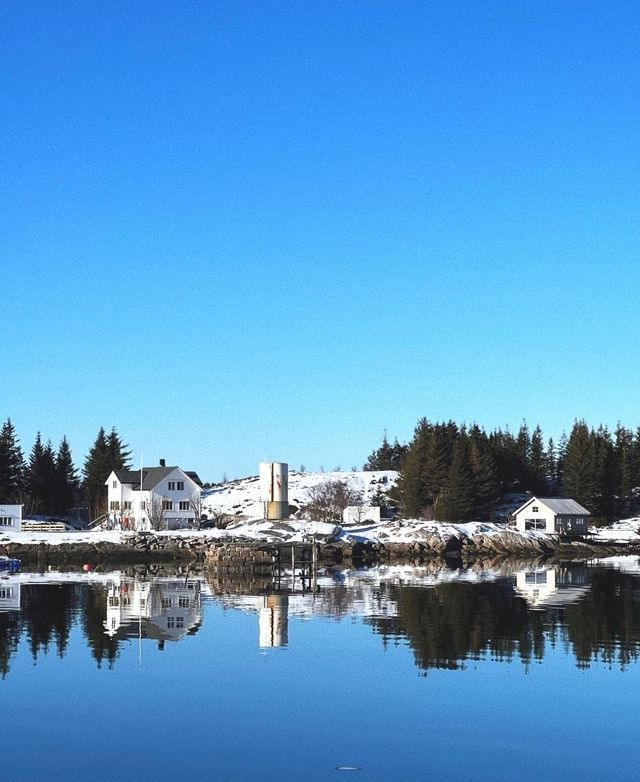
{"points": [[555, 515]]}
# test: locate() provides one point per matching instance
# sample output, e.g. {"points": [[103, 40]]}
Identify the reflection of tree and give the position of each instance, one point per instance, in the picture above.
{"points": [[605, 624], [9, 636], [103, 646], [453, 622], [456, 621], [47, 613]]}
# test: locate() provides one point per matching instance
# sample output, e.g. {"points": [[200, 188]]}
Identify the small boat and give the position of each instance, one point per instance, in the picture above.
{"points": [[9, 563]]}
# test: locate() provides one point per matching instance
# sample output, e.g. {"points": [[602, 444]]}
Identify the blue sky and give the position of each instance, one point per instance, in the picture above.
{"points": [[242, 230]]}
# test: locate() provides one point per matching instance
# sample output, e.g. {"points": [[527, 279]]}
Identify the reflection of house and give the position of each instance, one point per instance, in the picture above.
{"points": [[553, 515], [10, 593], [10, 518], [274, 620], [553, 586], [163, 609], [159, 497]]}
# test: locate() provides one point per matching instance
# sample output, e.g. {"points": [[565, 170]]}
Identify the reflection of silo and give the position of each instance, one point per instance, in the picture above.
{"points": [[274, 480], [274, 621]]}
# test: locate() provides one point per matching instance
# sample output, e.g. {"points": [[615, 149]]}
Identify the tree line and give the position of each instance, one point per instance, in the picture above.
{"points": [[452, 472], [48, 483]]}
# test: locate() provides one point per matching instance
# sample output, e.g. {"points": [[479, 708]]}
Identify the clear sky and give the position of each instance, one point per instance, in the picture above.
{"points": [[241, 231]]}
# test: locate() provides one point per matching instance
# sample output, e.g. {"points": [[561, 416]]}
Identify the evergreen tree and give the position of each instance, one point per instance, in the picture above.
{"points": [[41, 478], [411, 491], [538, 464], [12, 466], [107, 453], [66, 479], [118, 454], [95, 472], [483, 468], [552, 466], [457, 501], [523, 454], [382, 458], [579, 465]]}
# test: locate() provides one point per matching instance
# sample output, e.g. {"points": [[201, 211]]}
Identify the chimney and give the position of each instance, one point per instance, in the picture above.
{"points": [[163, 463]]}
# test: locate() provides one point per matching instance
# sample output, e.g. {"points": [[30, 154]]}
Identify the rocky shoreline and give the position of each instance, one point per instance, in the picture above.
{"points": [[243, 555]]}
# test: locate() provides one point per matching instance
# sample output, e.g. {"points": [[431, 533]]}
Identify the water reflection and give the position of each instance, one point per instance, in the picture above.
{"points": [[516, 611], [163, 609]]}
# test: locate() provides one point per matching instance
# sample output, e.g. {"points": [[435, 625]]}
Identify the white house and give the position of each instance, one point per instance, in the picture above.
{"points": [[154, 498], [554, 515], [361, 514], [10, 518]]}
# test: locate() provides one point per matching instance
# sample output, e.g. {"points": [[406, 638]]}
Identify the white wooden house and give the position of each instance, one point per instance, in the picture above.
{"points": [[361, 514], [154, 498], [554, 515], [10, 518]]}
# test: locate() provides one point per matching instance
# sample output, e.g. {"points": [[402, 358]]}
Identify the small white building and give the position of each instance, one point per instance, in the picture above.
{"points": [[10, 518], [554, 515], [361, 514], [154, 498]]}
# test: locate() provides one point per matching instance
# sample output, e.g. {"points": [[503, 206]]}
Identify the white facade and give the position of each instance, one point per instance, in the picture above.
{"points": [[552, 515], [168, 499], [361, 514], [10, 518]]}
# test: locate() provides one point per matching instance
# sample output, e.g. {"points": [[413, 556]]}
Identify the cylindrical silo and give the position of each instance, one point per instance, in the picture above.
{"points": [[274, 489]]}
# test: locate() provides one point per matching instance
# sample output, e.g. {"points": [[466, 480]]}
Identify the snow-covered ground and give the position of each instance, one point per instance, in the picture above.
{"points": [[242, 497]]}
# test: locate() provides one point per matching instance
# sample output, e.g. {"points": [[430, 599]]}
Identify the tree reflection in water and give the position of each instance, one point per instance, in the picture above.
{"points": [[593, 612]]}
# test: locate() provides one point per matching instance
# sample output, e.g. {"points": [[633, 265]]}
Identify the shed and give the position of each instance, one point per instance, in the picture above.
{"points": [[555, 515]]}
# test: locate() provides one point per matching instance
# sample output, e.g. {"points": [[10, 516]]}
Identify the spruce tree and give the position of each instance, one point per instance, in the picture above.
{"points": [[579, 465], [538, 466], [66, 479], [95, 472], [457, 500], [41, 478], [12, 466]]}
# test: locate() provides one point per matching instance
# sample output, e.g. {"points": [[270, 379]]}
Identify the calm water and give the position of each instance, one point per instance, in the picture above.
{"points": [[518, 673]]}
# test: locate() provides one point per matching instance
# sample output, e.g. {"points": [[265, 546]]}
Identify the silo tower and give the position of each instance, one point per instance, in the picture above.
{"points": [[274, 488]]}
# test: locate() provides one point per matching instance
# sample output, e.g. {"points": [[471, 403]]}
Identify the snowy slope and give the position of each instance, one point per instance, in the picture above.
{"points": [[242, 497]]}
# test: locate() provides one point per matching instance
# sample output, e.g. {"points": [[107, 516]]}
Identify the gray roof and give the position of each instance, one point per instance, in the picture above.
{"points": [[561, 506], [151, 477]]}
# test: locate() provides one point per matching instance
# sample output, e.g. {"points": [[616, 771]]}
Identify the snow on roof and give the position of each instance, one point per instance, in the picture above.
{"points": [[151, 476]]}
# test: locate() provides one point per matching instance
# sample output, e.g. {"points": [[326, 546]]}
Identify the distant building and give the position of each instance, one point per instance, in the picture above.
{"points": [[10, 518], [361, 514], [154, 498], [554, 515]]}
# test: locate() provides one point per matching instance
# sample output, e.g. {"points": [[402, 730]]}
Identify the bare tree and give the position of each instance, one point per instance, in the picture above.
{"points": [[156, 512], [327, 500], [195, 503]]}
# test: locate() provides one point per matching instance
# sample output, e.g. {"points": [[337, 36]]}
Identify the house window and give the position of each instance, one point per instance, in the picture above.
{"points": [[114, 602], [184, 505], [535, 509], [536, 577], [535, 524], [167, 505], [5, 594], [143, 505], [114, 505], [126, 505], [176, 485], [6, 521], [171, 622], [115, 484], [179, 621], [183, 602], [167, 602]]}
